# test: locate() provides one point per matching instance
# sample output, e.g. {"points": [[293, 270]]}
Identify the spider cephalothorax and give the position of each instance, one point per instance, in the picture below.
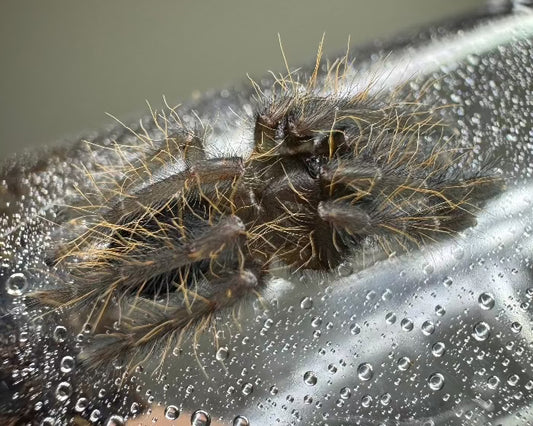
{"points": [[179, 234]]}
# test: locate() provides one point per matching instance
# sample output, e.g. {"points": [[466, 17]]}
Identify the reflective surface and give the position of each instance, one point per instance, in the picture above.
{"points": [[438, 336]]}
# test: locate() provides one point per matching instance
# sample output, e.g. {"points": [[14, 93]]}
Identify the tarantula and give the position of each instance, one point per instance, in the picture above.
{"points": [[182, 231]]}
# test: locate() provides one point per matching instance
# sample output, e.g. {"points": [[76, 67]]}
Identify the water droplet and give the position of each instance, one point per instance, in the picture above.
{"points": [[332, 369], [459, 253], [404, 363], [95, 415], [60, 334], [355, 329], [241, 421], [81, 404], [247, 388], [516, 327], [428, 328], [172, 412], [63, 391], [200, 418], [493, 382], [222, 354], [310, 378], [448, 281], [428, 269], [67, 364], [481, 331], [16, 284], [365, 371], [440, 311], [346, 393], [115, 421], [438, 349], [407, 324], [390, 318], [486, 301], [366, 401], [306, 303], [513, 379], [436, 381], [385, 399], [316, 322]]}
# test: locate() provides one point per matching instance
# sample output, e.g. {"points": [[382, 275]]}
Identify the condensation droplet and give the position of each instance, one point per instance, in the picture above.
{"points": [[365, 371], [428, 269], [247, 389], [448, 281], [172, 412], [310, 378], [366, 401], [63, 391], [407, 324], [404, 363], [200, 418], [438, 349], [67, 364], [355, 329], [486, 301], [241, 421], [16, 284], [440, 311], [436, 381], [481, 331], [306, 303], [222, 354], [428, 328], [115, 421], [493, 382], [60, 334], [81, 404], [390, 318], [516, 327], [346, 393], [385, 399]]}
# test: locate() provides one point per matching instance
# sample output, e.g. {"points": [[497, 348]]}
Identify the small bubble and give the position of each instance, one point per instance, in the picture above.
{"points": [[63, 391], [200, 418], [172, 412], [16, 284], [407, 324], [481, 331], [306, 303], [428, 328], [222, 354], [486, 301], [365, 371], [310, 378], [438, 349], [436, 381], [241, 421], [67, 364], [404, 363]]}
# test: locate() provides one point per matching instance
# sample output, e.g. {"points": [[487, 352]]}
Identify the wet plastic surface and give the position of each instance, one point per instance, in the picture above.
{"points": [[442, 336]]}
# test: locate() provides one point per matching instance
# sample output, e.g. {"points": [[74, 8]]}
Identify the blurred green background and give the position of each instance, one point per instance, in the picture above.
{"points": [[64, 63]]}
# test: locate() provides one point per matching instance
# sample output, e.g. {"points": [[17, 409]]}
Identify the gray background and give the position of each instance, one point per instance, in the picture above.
{"points": [[64, 64]]}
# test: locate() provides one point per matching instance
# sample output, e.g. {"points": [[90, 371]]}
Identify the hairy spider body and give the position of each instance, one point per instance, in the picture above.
{"points": [[177, 234]]}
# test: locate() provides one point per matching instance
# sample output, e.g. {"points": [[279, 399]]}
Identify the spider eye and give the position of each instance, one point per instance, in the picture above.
{"points": [[314, 165]]}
